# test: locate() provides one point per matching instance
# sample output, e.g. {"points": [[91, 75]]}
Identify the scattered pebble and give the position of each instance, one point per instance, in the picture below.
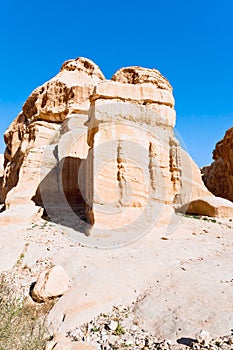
{"points": [[120, 329]]}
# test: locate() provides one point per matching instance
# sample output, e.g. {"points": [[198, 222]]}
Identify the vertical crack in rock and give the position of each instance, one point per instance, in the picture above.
{"points": [[123, 195], [89, 175], [175, 168], [152, 166], [57, 171]]}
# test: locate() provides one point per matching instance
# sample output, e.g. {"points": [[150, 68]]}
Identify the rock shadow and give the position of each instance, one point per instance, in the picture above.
{"points": [[186, 341], [63, 195]]}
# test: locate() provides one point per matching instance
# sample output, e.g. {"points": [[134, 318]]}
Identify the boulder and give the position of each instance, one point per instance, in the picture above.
{"points": [[209, 206], [218, 177], [51, 283]]}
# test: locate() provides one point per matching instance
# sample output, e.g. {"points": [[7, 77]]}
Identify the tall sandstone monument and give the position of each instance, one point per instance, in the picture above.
{"points": [[97, 153]]}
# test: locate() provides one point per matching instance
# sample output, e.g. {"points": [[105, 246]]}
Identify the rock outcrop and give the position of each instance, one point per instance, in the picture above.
{"points": [[218, 177], [50, 284], [1, 175], [38, 125], [99, 150], [209, 206], [1, 164]]}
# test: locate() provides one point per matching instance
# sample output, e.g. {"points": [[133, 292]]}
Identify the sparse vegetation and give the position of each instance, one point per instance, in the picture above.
{"points": [[22, 325], [44, 224], [201, 217], [119, 330]]}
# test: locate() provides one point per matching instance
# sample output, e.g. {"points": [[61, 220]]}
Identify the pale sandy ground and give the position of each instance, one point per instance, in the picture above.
{"points": [[186, 279]]}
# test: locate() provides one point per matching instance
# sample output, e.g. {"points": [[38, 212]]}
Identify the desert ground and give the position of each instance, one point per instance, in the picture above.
{"points": [[182, 286]]}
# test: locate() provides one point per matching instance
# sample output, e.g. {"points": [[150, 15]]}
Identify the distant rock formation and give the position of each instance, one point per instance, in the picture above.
{"points": [[218, 177], [1, 175], [1, 164], [103, 150]]}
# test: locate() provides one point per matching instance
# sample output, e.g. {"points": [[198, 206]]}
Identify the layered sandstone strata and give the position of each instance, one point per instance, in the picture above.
{"points": [[32, 153], [218, 177], [136, 162], [100, 150]]}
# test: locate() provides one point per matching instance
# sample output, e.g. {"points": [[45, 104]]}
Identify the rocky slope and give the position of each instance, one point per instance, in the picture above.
{"points": [[218, 177], [162, 286]]}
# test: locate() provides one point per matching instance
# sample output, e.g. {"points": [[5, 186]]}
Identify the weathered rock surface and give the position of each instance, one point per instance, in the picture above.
{"points": [[209, 206], [1, 175], [185, 281], [51, 283], [218, 177], [1, 164], [62, 343], [138, 75], [103, 151], [38, 125], [11, 247]]}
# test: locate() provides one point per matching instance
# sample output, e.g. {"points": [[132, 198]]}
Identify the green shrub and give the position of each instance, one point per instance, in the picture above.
{"points": [[22, 325]]}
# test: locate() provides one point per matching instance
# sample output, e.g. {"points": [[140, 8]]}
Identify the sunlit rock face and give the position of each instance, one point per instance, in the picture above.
{"points": [[218, 177], [32, 139], [100, 150]]}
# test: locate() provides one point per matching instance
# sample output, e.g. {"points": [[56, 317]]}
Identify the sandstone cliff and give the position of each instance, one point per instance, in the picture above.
{"points": [[96, 149], [1, 175], [218, 177], [1, 164]]}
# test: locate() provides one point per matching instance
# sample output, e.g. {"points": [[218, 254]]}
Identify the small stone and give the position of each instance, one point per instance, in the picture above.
{"points": [[128, 342], [134, 328], [113, 325], [203, 337], [112, 339], [169, 342], [104, 337]]}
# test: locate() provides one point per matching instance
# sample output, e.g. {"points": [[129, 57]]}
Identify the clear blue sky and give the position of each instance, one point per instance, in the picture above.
{"points": [[190, 42]]}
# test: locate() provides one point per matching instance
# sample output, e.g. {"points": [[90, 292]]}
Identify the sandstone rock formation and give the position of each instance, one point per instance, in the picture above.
{"points": [[218, 177], [1, 164], [1, 175], [50, 284], [38, 124], [100, 150], [209, 206]]}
